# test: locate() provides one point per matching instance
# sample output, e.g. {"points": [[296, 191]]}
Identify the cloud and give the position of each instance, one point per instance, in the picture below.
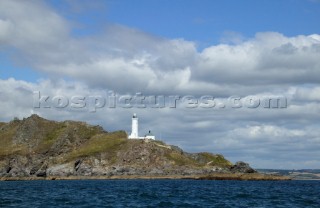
{"points": [[268, 59], [144, 61], [232, 37], [307, 94], [30, 23], [128, 60]]}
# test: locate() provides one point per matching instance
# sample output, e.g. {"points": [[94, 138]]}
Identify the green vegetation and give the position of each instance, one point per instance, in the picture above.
{"points": [[53, 135], [70, 140], [110, 143], [86, 132], [159, 142], [180, 159], [2, 124], [204, 159], [7, 147], [217, 160], [70, 130]]}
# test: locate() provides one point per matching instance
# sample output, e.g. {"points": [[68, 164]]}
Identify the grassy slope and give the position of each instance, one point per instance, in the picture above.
{"points": [[7, 147], [209, 159], [217, 160], [181, 160], [110, 143], [84, 141]]}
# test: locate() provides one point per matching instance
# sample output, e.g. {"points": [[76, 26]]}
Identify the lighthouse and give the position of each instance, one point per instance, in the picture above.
{"points": [[134, 129]]}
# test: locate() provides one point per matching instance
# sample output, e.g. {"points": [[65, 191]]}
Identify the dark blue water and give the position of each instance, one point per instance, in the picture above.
{"points": [[159, 193]]}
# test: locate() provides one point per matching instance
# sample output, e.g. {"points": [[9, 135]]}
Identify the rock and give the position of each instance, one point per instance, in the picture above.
{"points": [[99, 171], [77, 165], [84, 169], [242, 167], [17, 172], [8, 169], [176, 148], [60, 170], [17, 166], [41, 173], [34, 170], [44, 148], [156, 171], [4, 170]]}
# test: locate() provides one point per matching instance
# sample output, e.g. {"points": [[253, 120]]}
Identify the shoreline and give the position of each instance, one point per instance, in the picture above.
{"points": [[218, 176]]}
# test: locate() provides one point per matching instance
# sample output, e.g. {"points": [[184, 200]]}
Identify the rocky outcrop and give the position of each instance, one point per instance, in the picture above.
{"points": [[36, 147], [242, 167]]}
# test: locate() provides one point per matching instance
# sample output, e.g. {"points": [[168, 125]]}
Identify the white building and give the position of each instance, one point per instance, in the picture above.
{"points": [[149, 135], [135, 129]]}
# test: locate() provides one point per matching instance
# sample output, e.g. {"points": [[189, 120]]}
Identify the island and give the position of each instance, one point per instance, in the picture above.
{"points": [[35, 148]]}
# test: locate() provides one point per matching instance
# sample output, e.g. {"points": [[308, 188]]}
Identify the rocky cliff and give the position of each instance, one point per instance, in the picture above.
{"points": [[36, 147]]}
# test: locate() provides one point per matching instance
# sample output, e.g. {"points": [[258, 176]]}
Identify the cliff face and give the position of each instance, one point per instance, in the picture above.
{"points": [[38, 147]]}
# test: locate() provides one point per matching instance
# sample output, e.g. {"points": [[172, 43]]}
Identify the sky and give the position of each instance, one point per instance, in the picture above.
{"points": [[219, 53]]}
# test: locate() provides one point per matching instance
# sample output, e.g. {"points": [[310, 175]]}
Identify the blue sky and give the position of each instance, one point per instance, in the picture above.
{"points": [[205, 21], [219, 48]]}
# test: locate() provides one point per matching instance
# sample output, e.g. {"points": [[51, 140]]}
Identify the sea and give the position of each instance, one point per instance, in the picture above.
{"points": [[159, 193]]}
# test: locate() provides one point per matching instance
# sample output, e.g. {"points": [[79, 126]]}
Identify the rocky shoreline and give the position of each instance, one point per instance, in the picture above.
{"points": [[217, 176], [38, 149]]}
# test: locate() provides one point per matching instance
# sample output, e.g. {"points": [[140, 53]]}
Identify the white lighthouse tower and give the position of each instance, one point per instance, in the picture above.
{"points": [[134, 131]]}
